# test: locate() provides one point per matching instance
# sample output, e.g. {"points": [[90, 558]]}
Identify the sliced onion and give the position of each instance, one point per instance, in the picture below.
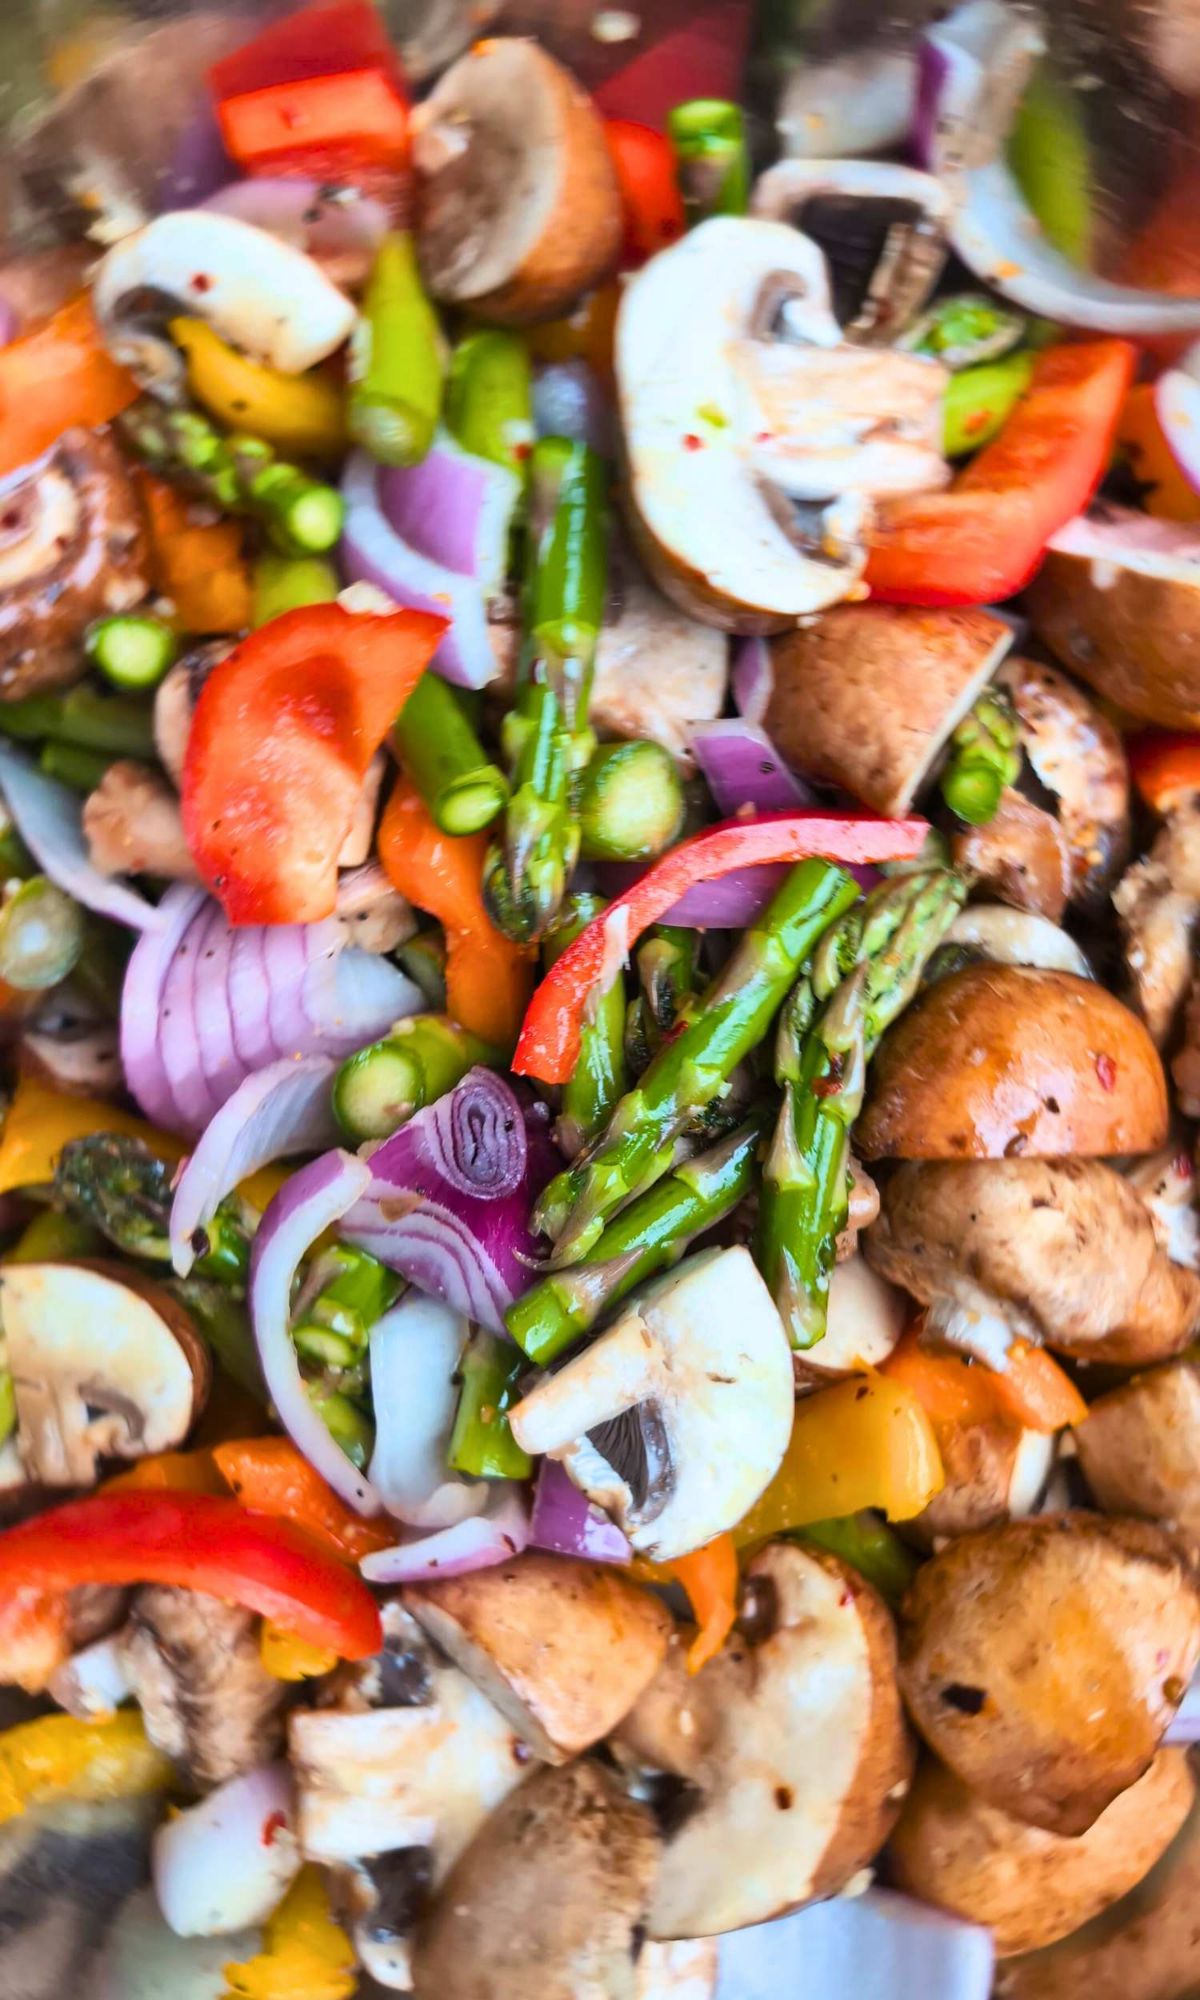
{"points": [[744, 771], [248, 993], [480, 1543], [1186, 1726], [178, 1039], [282, 1110], [141, 1003], [415, 1352], [339, 228], [569, 401], [877, 1943], [566, 1522], [454, 508], [752, 679], [1177, 407], [219, 1059], [857, 104], [372, 552], [49, 819], [309, 1204], [229, 1861]]}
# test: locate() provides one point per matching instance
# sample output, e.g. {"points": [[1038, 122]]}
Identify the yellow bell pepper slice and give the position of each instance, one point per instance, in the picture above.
{"points": [[295, 413], [289, 1658], [60, 1757], [305, 1955], [862, 1443]]}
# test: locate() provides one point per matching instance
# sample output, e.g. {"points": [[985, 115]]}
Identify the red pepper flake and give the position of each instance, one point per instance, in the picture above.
{"points": [[764, 437], [1106, 1070], [693, 443], [274, 1824], [202, 282], [521, 452], [826, 1086]]}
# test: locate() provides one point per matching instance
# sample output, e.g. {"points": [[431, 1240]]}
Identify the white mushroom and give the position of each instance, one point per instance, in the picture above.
{"points": [[914, 213], [1005, 936], [104, 1365], [93, 1682], [133, 824], [1166, 1182], [676, 1420], [228, 1862], [258, 293], [865, 1320]]}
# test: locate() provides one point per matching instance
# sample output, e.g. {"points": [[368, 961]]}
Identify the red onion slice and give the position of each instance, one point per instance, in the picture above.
{"points": [[178, 1038], [249, 1000], [287, 951], [415, 1352], [219, 1059], [339, 228], [565, 1521], [228, 1862], [752, 679], [744, 770], [142, 998], [49, 819], [492, 1537], [454, 508], [282, 1110], [310, 1203]]}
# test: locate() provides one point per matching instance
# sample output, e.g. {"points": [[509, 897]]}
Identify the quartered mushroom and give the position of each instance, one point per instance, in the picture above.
{"points": [[133, 825], [865, 1320], [1139, 1448], [795, 1751], [994, 1472], [658, 672], [1157, 902], [755, 435], [998, 934], [563, 1649], [72, 548], [261, 295], [676, 1419], [1076, 757], [518, 209], [194, 1665], [105, 1364]]}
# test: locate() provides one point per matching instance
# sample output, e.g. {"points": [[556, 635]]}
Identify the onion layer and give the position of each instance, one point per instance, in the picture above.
{"points": [[501, 1531], [49, 819], [415, 1351]]}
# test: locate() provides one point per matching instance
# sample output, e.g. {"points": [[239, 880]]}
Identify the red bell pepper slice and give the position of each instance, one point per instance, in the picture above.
{"points": [[198, 1542], [1165, 766], [279, 746], [320, 40], [323, 122], [645, 167], [549, 1043], [982, 540]]}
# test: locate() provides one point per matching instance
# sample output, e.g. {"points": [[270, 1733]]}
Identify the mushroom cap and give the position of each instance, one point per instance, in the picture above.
{"points": [[951, 1848], [994, 1472], [801, 1753], [562, 1648], [998, 1061], [1020, 855], [1043, 1660], [518, 208], [865, 1320], [1139, 1448], [1004, 936], [1077, 754], [1117, 600], [867, 695]]}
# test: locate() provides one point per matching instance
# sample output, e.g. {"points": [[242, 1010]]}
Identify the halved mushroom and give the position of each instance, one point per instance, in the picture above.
{"points": [[194, 1665], [1043, 1660], [881, 226], [951, 1848], [72, 548], [373, 915], [133, 824], [658, 672], [1078, 759], [866, 696], [1139, 1448], [865, 1320], [258, 293], [518, 209], [563, 1649], [105, 1364], [1060, 1251], [1020, 855], [676, 1419], [175, 701], [754, 434], [548, 1899], [795, 1748], [999, 1061], [1166, 1183], [994, 1472], [997, 934]]}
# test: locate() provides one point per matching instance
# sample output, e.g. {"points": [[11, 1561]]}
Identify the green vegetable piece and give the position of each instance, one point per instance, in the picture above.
{"points": [[712, 160], [41, 935], [965, 329], [423, 958], [50, 1237], [133, 651], [346, 1423], [1050, 158], [8, 1406], [446, 761], [223, 1320], [81, 770], [600, 1076], [122, 1188], [489, 398], [380, 1088], [346, 1291], [240, 474], [631, 802], [288, 583], [81, 716], [871, 1547], [481, 1442], [396, 360], [984, 757], [979, 402]]}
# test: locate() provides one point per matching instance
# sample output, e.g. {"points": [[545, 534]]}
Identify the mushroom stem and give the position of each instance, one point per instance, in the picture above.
{"points": [[241, 475]]}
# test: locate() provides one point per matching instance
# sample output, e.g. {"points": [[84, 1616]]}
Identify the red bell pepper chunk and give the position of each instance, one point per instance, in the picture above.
{"points": [[320, 40], [357, 117], [279, 746], [645, 167], [549, 1043], [981, 540], [1165, 766], [198, 1542]]}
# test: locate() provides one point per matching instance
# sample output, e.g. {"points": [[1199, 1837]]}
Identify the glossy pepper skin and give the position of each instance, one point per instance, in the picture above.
{"points": [[865, 1442], [61, 1757], [57, 375]]}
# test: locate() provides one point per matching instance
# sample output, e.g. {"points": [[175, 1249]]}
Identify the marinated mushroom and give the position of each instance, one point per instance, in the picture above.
{"points": [[1060, 1251], [1077, 758], [105, 1364], [207, 1701], [676, 1419], [518, 209], [952, 1848], [547, 1900], [1158, 901], [1043, 1660], [865, 1320], [563, 1649], [881, 226], [81, 1058], [1021, 855], [1166, 1183], [1139, 1448], [999, 1062], [133, 825], [372, 914], [658, 672], [261, 295], [994, 1472], [997, 934], [175, 701], [72, 548]]}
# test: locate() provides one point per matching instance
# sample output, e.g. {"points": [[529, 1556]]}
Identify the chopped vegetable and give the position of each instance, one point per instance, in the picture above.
{"points": [[979, 402], [289, 583], [599, 1079], [41, 936], [1031, 1390], [481, 1442], [445, 760], [269, 1475], [645, 164], [322, 39], [631, 802], [984, 758], [239, 473], [292, 1659], [489, 398], [710, 1578], [132, 651], [1165, 767], [711, 158], [305, 1954], [396, 360], [865, 1442], [59, 1757], [199, 566], [1164, 489], [57, 375], [872, 1548], [40, 1122], [294, 413], [325, 126], [171, 1472], [81, 770], [83, 718]]}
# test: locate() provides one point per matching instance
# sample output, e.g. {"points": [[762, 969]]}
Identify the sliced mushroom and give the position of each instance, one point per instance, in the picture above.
{"points": [[676, 1419], [865, 1320], [518, 209], [1021, 856], [1001, 935], [861, 1212], [72, 548], [882, 227], [133, 825], [658, 672], [105, 1364], [207, 1701], [360, 835], [563, 1649], [795, 1748], [547, 1900], [175, 701], [1166, 1183], [372, 914], [82, 1059], [1061, 1251], [1077, 757], [258, 293], [1139, 1448], [994, 1472], [866, 696], [1158, 902]]}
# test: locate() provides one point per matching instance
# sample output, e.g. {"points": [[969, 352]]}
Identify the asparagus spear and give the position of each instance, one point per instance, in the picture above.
{"points": [[863, 973], [396, 360], [631, 801], [489, 398], [446, 761], [67, 764], [547, 737], [985, 756], [668, 963], [712, 163], [647, 1236], [288, 583], [42, 935], [694, 1068], [133, 651], [92, 721], [301, 515], [123, 1189], [481, 1442], [599, 1077], [379, 1089]]}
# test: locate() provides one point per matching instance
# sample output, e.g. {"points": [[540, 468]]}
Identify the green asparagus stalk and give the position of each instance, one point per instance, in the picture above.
{"points": [[984, 757], [133, 651], [67, 764], [346, 1421], [653, 1232], [424, 960], [50, 1237], [380, 1088], [344, 1292], [668, 964], [397, 360], [8, 1405], [863, 973], [122, 1188], [93, 721], [871, 1547], [447, 763], [489, 398], [481, 1442], [220, 1314], [712, 161], [302, 516], [288, 583], [694, 1067], [631, 802], [42, 935], [599, 1078], [547, 737], [979, 401], [16, 862]]}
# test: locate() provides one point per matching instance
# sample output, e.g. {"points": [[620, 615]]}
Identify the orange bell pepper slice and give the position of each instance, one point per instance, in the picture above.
{"points": [[1165, 766], [269, 1475], [710, 1578], [171, 1472], [57, 375], [1032, 1391], [488, 978], [1164, 492], [199, 566]]}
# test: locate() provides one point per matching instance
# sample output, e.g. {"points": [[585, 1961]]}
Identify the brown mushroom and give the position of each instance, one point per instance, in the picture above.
{"points": [[1000, 1062], [133, 825], [1158, 901], [72, 548], [994, 1472], [658, 672], [1077, 756], [1021, 856], [207, 1700], [1139, 1448], [518, 209]]}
